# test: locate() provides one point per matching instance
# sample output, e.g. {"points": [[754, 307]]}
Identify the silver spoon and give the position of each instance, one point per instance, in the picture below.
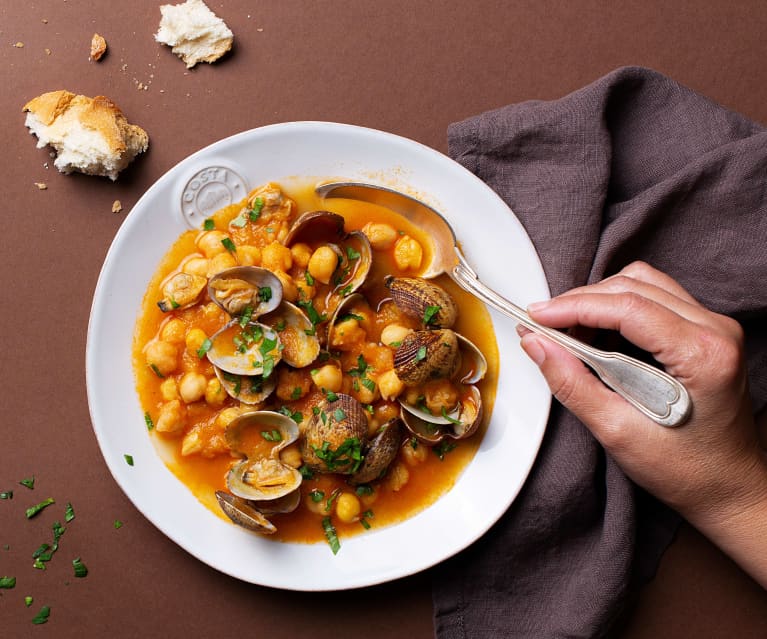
{"points": [[658, 395]]}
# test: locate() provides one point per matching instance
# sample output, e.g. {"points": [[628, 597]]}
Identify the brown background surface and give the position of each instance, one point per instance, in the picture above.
{"points": [[407, 67]]}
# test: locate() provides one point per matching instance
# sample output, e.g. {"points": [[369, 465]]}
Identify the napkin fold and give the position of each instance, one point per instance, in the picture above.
{"points": [[631, 167]]}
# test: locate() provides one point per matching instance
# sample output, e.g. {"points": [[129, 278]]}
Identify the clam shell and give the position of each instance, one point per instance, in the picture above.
{"points": [[253, 349], [241, 287], [242, 513], [380, 453], [334, 425], [473, 362], [425, 355], [423, 300], [299, 340], [260, 421], [249, 389], [465, 424], [263, 479], [181, 291]]}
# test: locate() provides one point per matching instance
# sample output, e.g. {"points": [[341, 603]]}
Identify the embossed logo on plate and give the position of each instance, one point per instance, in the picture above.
{"points": [[208, 190]]}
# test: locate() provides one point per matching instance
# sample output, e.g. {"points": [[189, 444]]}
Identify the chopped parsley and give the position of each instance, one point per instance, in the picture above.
{"points": [[118, 524], [296, 416], [311, 312], [255, 212], [296, 393], [430, 314], [128, 459], [351, 254], [241, 220], [7, 582], [308, 278], [443, 448], [364, 490], [28, 601], [368, 514], [69, 513], [148, 421], [229, 245], [42, 616], [209, 224], [264, 293], [348, 454], [316, 496], [33, 510], [29, 482], [420, 354], [452, 420], [246, 315], [156, 371], [6, 494], [331, 535], [271, 436], [306, 472], [80, 568]]}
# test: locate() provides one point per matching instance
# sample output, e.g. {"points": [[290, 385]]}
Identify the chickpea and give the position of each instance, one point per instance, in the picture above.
{"points": [[192, 387], [213, 313], [291, 384], [171, 417], [173, 331], [348, 507], [373, 425], [322, 264], [161, 356], [192, 443], [347, 333], [386, 411], [439, 394], [220, 262], [382, 236], [194, 339], [169, 389], [316, 502], [328, 377], [214, 392], [397, 477], [408, 253], [414, 452], [291, 455], [289, 288], [301, 253], [196, 266], [394, 334], [389, 385], [227, 415], [365, 395], [249, 255], [210, 243], [276, 257]]}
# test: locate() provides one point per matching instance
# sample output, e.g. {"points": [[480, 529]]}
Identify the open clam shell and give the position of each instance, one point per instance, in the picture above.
{"points": [[240, 288], [251, 432], [467, 419], [242, 513], [249, 389], [180, 291], [473, 362], [249, 349], [263, 479], [300, 344]]}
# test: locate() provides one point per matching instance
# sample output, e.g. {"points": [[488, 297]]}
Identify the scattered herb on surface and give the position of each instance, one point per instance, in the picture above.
{"points": [[128, 459], [28, 601], [29, 482], [6, 494], [42, 616], [118, 524], [7, 582], [148, 421], [80, 568], [331, 535], [33, 510]]}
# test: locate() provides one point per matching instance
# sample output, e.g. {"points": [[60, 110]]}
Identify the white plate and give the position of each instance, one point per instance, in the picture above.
{"points": [[496, 246]]}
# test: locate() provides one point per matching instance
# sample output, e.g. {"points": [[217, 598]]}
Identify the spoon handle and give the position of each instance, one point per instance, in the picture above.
{"points": [[655, 393]]}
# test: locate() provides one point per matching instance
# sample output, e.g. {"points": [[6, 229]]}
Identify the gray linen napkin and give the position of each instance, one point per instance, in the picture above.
{"points": [[633, 166]]}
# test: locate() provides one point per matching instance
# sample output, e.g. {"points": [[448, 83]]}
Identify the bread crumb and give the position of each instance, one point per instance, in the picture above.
{"points": [[47, 51], [89, 135], [98, 47], [45, 21], [194, 32], [19, 45], [117, 206], [41, 185]]}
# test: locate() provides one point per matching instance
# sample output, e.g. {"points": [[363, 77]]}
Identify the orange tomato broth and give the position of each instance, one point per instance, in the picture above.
{"points": [[204, 475]]}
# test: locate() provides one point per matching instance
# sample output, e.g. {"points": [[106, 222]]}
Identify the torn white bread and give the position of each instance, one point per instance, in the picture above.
{"points": [[89, 135], [194, 32]]}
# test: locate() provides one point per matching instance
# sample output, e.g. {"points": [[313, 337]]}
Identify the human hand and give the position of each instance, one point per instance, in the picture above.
{"points": [[711, 469]]}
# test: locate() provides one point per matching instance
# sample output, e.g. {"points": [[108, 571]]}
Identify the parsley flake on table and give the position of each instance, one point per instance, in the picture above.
{"points": [[128, 459], [80, 568], [118, 524], [33, 510], [42, 616], [29, 482], [6, 494], [7, 582], [69, 513]]}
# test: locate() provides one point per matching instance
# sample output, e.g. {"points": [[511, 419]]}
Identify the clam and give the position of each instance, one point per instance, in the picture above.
{"points": [[423, 300], [249, 389], [250, 349], [380, 453], [240, 288], [300, 344], [355, 256], [344, 310], [427, 354], [181, 291], [461, 423], [261, 483], [473, 361], [335, 436]]}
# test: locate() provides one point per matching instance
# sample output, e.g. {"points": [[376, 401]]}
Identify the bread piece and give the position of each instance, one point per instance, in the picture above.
{"points": [[90, 135], [194, 31]]}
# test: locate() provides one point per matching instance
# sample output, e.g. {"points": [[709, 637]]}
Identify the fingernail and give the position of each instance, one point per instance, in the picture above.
{"points": [[532, 346]]}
